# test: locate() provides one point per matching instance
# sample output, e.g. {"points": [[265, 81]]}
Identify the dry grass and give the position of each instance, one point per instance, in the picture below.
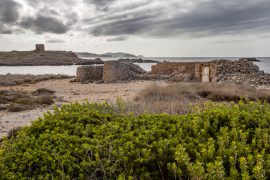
{"points": [[177, 98], [16, 101]]}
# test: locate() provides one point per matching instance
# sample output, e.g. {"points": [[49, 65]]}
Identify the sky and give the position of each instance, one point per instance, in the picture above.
{"points": [[153, 28]]}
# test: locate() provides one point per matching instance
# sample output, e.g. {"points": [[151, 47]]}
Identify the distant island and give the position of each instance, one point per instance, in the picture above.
{"points": [[42, 57], [108, 55]]}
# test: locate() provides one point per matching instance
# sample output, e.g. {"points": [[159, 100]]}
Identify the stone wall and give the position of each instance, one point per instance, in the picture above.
{"points": [[225, 71], [117, 71], [184, 71], [87, 74]]}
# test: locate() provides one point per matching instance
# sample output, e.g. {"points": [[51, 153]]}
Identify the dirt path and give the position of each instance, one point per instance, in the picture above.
{"points": [[70, 92]]}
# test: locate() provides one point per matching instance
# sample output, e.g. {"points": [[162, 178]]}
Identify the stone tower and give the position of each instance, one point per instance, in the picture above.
{"points": [[40, 47]]}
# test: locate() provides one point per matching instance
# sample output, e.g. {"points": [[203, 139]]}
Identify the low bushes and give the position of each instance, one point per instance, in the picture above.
{"points": [[97, 141], [16, 100]]}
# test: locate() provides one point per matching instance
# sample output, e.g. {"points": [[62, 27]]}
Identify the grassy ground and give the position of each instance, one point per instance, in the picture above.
{"points": [[177, 98]]}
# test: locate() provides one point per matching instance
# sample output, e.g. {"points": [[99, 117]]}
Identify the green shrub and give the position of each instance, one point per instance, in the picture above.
{"points": [[91, 141]]}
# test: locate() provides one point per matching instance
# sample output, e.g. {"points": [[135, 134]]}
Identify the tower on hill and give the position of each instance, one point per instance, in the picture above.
{"points": [[40, 47]]}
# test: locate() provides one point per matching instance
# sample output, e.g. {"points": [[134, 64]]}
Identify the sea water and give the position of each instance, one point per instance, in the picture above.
{"points": [[264, 65]]}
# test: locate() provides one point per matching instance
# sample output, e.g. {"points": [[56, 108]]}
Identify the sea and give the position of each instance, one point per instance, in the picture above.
{"points": [[70, 70]]}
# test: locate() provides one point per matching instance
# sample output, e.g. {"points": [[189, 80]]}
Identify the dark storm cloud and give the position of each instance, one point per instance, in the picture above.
{"points": [[206, 18], [147, 18], [8, 11], [43, 24]]}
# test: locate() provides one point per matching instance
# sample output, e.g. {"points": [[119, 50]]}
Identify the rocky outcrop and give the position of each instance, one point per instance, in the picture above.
{"points": [[86, 74], [241, 72], [43, 58], [250, 59], [127, 60]]}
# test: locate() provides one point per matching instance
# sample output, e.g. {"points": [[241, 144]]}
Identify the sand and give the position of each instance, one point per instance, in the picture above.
{"points": [[70, 92]]}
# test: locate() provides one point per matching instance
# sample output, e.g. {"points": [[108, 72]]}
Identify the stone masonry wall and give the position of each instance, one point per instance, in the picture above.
{"points": [[89, 73], [184, 71], [224, 71], [117, 71]]}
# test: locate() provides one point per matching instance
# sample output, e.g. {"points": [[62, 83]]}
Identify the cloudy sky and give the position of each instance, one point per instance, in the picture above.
{"points": [[148, 27]]}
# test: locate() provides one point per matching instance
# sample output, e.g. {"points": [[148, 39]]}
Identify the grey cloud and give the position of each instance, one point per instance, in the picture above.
{"points": [[53, 16], [9, 11], [5, 31], [42, 24], [206, 18], [100, 4], [50, 2], [147, 18], [127, 25], [55, 41], [9, 14], [118, 38]]}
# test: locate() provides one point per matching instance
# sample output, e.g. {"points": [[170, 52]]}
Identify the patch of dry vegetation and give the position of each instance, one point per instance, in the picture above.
{"points": [[177, 98], [16, 100]]}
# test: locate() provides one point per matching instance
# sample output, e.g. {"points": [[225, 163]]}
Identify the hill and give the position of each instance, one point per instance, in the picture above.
{"points": [[109, 55]]}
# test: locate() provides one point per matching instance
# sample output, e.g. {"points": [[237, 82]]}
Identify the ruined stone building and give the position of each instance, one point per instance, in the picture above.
{"points": [[112, 71], [217, 71], [241, 71], [186, 71]]}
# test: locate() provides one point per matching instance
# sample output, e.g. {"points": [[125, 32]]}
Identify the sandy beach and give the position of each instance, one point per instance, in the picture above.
{"points": [[70, 92]]}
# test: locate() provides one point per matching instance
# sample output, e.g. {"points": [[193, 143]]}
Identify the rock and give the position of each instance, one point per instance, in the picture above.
{"points": [[99, 82], [73, 80], [140, 60], [249, 59], [3, 107], [10, 83]]}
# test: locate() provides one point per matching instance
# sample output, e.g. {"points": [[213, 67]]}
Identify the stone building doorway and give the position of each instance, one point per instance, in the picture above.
{"points": [[205, 74]]}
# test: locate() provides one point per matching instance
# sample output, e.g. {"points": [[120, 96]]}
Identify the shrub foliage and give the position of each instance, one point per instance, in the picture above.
{"points": [[91, 141]]}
